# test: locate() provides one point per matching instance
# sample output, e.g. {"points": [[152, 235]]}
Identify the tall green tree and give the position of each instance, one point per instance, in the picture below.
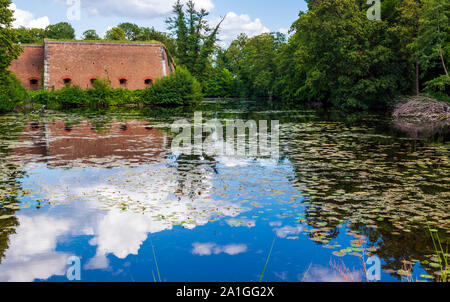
{"points": [[432, 45], [11, 90], [60, 31], [347, 59], [195, 39], [260, 65], [409, 26], [9, 50]]}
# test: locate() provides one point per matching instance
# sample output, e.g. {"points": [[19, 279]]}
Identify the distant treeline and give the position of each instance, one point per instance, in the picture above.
{"points": [[334, 54]]}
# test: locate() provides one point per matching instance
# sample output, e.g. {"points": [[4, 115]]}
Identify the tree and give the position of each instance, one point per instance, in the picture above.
{"points": [[409, 18], [195, 40], [220, 83], [11, 91], [347, 60], [432, 45], [30, 35], [150, 34], [115, 33], [132, 31], [91, 34], [60, 31], [9, 50]]}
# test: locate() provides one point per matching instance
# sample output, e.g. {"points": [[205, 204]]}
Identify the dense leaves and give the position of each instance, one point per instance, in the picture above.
{"points": [[180, 88], [11, 92], [195, 39]]}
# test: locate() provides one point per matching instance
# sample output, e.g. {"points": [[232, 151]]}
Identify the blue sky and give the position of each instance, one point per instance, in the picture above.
{"points": [[250, 16]]}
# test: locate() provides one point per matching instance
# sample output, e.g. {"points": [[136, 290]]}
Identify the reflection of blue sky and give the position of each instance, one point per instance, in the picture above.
{"points": [[109, 217]]}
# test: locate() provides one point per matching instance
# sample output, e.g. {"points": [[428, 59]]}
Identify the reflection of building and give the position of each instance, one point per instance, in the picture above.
{"points": [[58, 143]]}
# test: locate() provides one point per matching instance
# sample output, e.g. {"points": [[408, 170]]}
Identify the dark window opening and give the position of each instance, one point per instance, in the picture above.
{"points": [[123, 82], [33, 82], [67, 81], [93, 81], [148, 81]]}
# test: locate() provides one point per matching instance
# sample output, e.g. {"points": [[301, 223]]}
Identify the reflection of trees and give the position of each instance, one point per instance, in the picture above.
{"points": [[437, 132], [394, 249], [10, 186], [385, 187]]}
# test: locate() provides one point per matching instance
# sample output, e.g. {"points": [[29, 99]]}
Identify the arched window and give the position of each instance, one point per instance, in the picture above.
{"points": [[123, 82], [67, 81], [92, 80], [34, 83], [148, 82]]}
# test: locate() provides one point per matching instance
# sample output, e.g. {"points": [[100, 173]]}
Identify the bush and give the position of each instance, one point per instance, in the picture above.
{"points": [[100, 96], [12, 93], [180, 88]]}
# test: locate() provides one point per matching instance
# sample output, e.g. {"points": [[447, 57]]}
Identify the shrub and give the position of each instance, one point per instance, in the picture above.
{"points": [[71, 96], [12, 93], [180, 88]]}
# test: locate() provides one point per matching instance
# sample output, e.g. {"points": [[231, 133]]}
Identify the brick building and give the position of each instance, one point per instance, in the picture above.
{"points": [[57, 63]]}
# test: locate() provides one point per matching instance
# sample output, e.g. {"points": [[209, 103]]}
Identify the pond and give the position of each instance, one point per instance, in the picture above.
{"points": [[104, 186]]}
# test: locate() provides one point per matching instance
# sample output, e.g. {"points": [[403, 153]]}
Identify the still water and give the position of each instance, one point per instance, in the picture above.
{"points": [[105, 187]]}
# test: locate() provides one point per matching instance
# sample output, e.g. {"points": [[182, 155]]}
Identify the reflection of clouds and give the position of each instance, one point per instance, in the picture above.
{"points": [[230, 161], [207, 249], [136, 202], [324, 274], [288, 230], [275, 223], [32, 254], [250, 223], [118, 208]]}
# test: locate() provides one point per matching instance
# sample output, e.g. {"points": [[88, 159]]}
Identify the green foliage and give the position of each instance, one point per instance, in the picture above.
{"points": [[440, 85], [60, 31], [12, 93], [150, 34], [115, 34], [9, 50], [180, 88], [131, 31], [30, 35], [195, 40], [220, 83], [101, 95], [347, 59], [432, 45], [91, 35]]}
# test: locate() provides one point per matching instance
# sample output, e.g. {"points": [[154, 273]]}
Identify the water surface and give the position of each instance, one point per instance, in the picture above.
{"points": [[104, 186]]}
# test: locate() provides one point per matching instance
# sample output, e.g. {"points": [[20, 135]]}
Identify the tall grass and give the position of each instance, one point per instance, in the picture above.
{"points": [[440, 253], [267, 261]]}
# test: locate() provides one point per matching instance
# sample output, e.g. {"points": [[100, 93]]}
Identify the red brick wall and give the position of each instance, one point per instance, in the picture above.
{"points": [[30, 66], [82, 62]]}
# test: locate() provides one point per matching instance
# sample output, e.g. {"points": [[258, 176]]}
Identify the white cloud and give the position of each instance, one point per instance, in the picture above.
{"points": [[288, 230], [32, 254], [137, 9], [207, 249], [26, 19], [324, 274], [235, 24]]}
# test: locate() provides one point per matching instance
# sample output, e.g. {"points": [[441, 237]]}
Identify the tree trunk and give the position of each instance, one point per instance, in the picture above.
{"points": [[442, 59], [440, 47]]}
